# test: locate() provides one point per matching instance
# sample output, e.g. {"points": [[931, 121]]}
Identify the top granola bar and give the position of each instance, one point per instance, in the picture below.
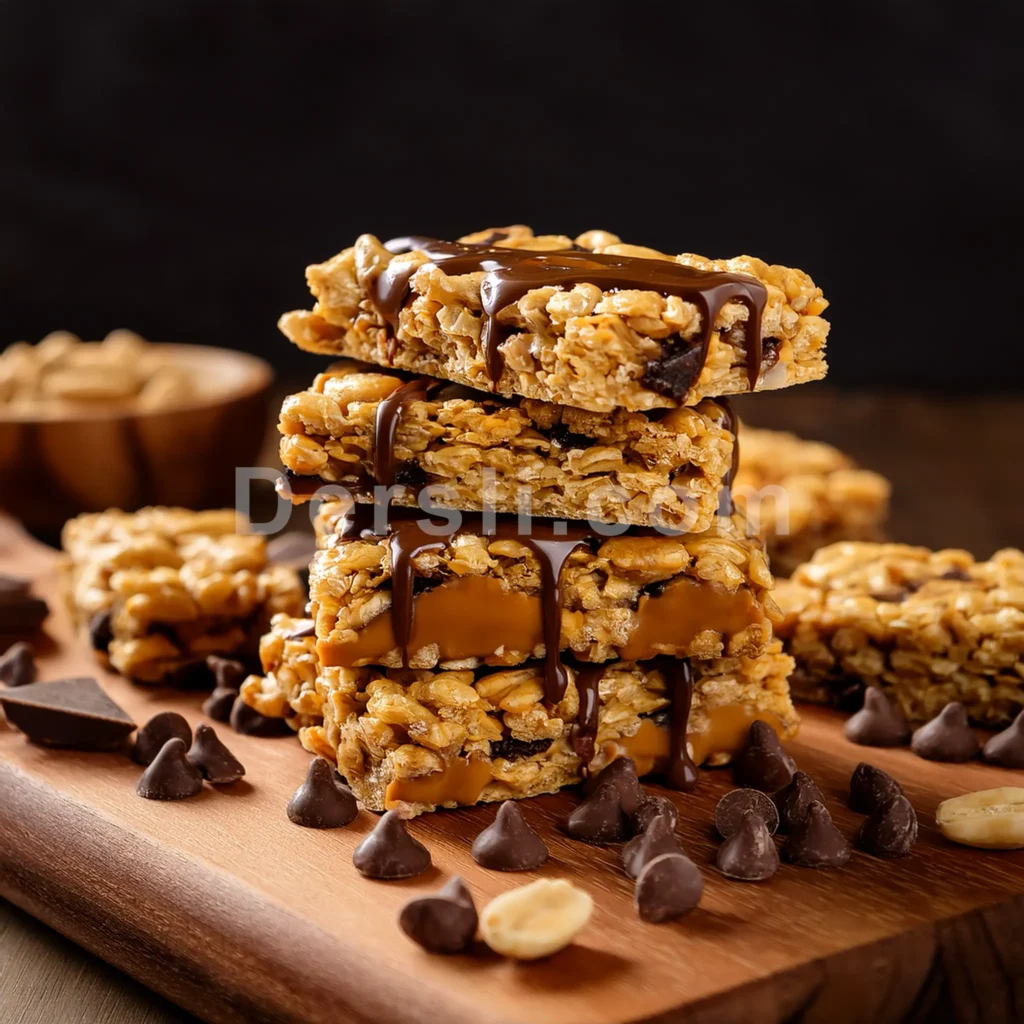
{"points": [[588, 322]]}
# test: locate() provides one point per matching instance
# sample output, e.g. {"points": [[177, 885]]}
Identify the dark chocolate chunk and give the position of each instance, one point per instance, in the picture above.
{"points": [[443, 923], [1006, 749], [891, 829], [653, 806], [170, 776], [73, 713], [18, 665], [249, 722], [669, 887], [216, 763], [733, 806], [20, 615], [512, 750], [956, 573], [323, 800], [878, 723], [748, 854], [845, 693], [563, 438], [295, 548], [793, 800], [620, 773], [219, 704], [191, 675], [673, 374], [228, 673], [815, 842], [655, 589], [100, 631], [150, 739], [600, 818], [763, 764], [13, 588], [410, 474], [947, 737], [871, 787], [659, 838], [302, 629], [509, 843], [389, 851]]}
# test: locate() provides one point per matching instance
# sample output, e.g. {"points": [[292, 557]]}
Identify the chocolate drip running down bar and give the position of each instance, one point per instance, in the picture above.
{"points": [[511, 273]]}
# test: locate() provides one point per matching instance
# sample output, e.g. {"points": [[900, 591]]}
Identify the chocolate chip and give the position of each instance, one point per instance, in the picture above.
{"points": [[509, 843], [793, 800], [659, 838], [655, 589], [620, 773], [12, 588], [956, 574], [21, 615], [249, 722], [150, 739], [512, 750], [302, 629], [673, 373], [18, 665], [565, 439], [815, 842], [947, 737], [600, 818], [443, 923], [1006, 749], [389, 851], [845, 693], [323, 800], [410, 474], [170, 776], [219, 704], [763, 764], [216, 763], [653, 806], [228, 673], [72, 713], [891, 829], [669, 887], [878, 723], [295, 549], [730, 810], [190, 675], [100, 630], [871, 787], [748, 855]]}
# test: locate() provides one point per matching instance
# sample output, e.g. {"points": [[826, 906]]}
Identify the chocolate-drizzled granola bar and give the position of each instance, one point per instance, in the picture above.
{"points": [[355, 426], [588, 322], [929, 627]]}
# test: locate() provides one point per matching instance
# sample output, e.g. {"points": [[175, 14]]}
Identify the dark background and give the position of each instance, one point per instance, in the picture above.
{"points": [[172, 165]]}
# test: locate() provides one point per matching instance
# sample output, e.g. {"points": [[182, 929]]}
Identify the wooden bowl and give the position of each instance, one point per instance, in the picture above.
{"points": [[54, 466]]}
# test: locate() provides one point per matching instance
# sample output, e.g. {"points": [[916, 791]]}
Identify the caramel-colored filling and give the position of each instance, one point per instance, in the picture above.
{"points": [[461, 782]]}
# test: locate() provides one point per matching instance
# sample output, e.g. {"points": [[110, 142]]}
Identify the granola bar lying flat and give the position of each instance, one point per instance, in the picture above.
{"points": [[418, 740], [929, 627], [588, 322], [160, 589], [287, 689], [804, 495], [355, 428]]}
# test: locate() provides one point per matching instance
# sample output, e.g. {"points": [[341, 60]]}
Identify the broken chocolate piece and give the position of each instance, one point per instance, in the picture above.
{"points": [[730, 810], [600, 818], [793, 800], [764, 763], [322, 801], [18, 665], [653, 806], [389, 852], [509, 843], [1006, 749], [748, 854], [219, 704], [21, 615], [674, 373], [870, 787], [74, 713], [249, 722], [228, 673], [815, 842], [947, 737], [13, 588], [216, 763], [891, 829], [659, 838], [621, 774], [100, 630], [170, 776], [669, 887], [150, 739], [443, 923], [878, 723]]}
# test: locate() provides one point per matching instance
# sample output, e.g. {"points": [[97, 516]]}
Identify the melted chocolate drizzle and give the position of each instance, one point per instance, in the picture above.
{"points": [[584, 732], [681, 772], [389, 413]]}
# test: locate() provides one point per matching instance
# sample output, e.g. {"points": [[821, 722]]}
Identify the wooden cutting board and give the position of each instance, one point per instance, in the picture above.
{"points": [[224, 906]]}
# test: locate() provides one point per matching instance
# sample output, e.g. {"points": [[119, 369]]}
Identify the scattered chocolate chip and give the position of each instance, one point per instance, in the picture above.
{"points": [[891, 829], [74, 713], [730, 810], [600, 818], [845, 693], [793, 800], [565, 439], [748, 854], [669, 887], [653, 806], [815, 842], [150, 739], [443, 923], [21, 615], [512, 750], [18, 665], [947, 737], [190, 675], [763, 764], [295, 548], [249, 722], [323, 800], [216, 763], [1006, 748], [303, 628], [878, 723], [12, 588], [228, 673], [170, 776], [659, 838], [674, 373], [389, 851], [870, 787], [100, 631], [219, 704], [621, 774], [509, 843]]}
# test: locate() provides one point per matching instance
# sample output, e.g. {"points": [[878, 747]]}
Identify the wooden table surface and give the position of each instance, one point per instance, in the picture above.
{"points": [[952, 463]]}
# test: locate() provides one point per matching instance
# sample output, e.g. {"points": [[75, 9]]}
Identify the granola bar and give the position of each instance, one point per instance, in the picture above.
{"points": [[804, 495], [355, 426], [929, 627], [288, 686], [589, 322], [419, 740], [160, 589]]}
